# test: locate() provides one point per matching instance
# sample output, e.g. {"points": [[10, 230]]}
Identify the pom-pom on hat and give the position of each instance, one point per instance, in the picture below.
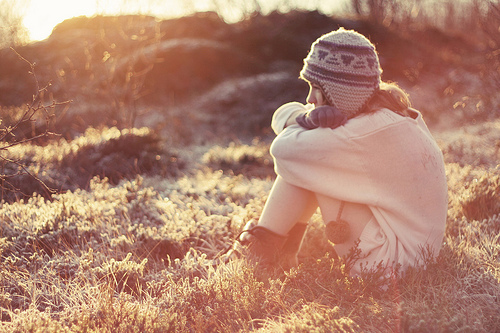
{"points": [[345, 64]]}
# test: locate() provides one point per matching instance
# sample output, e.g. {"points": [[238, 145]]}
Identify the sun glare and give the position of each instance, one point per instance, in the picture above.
{"points": [[43, 15]]}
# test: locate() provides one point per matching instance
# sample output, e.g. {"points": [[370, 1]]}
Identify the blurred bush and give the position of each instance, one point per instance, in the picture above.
{"points": [[68, 165], [248, 160]]}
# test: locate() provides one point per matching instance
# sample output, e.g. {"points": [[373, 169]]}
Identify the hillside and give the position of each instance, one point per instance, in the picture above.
{"points": [[147, 151]]}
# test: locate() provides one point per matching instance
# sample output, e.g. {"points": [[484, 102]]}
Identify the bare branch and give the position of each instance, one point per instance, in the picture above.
{"points": [[8, 138]]}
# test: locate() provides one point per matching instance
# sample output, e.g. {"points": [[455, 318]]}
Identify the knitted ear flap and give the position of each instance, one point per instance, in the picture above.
{"points": [[338, 231]]}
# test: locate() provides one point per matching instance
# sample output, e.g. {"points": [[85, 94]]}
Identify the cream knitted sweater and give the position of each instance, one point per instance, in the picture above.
{"points": [[388, 162]]}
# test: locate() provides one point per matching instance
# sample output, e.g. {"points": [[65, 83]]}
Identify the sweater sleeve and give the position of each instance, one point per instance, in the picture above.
{"points": [[284, 112], [324, 161]]}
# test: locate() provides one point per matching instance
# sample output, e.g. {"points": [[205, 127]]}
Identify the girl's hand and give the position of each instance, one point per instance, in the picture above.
{"points": [[322, 116]]}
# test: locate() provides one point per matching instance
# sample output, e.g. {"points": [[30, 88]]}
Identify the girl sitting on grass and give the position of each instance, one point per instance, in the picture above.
{"points": [[359, 152]]}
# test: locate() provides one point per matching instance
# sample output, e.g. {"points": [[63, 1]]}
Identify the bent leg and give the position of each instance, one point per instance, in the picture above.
{"points": [[287, 205], [276, 240]]}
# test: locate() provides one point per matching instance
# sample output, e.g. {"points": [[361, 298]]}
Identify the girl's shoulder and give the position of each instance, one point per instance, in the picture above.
{"points": [[379, 120]]}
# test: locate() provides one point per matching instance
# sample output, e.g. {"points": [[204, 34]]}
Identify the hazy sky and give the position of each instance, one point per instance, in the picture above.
{"points": [[42, 15]]}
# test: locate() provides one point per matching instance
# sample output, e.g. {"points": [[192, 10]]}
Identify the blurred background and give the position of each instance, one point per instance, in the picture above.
{"points": [[211, 72], [25, 21]]}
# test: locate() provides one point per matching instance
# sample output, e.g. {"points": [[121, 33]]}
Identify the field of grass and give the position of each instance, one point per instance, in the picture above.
{"points": [[146, 194]]}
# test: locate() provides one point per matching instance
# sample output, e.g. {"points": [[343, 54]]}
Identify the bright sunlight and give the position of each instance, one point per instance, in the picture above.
{"points": [[43, 15]]}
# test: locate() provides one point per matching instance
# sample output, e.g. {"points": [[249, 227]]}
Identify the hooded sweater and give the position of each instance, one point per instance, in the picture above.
{"points": [[386, 161]]}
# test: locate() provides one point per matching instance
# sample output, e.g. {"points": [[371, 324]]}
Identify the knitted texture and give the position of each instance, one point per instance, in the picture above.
{"points": [[346, 66]]}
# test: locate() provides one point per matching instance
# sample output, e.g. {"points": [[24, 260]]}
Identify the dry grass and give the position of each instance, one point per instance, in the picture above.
{"points": [[135, 257]]}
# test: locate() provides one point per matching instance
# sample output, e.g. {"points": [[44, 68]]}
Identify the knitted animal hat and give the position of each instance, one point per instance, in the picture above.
{"points": [[345, 65]]}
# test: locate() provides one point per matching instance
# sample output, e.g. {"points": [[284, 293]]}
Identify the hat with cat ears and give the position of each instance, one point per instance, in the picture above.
{"points": [[346, 66]]}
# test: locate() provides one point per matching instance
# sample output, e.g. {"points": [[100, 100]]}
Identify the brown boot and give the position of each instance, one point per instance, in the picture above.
{"points": [[292, 245], [258, 244]]}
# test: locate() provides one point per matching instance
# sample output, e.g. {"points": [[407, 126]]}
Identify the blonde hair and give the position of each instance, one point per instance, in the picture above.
{"points": [[389, 96]]}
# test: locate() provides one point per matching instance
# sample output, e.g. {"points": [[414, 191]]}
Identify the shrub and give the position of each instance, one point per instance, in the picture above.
{"points": [[115, 155], [480, 201], [473, 193], [68, 165], [248, 160]]}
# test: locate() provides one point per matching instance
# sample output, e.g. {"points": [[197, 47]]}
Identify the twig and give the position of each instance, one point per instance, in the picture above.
{"points": [[35, 106]]}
